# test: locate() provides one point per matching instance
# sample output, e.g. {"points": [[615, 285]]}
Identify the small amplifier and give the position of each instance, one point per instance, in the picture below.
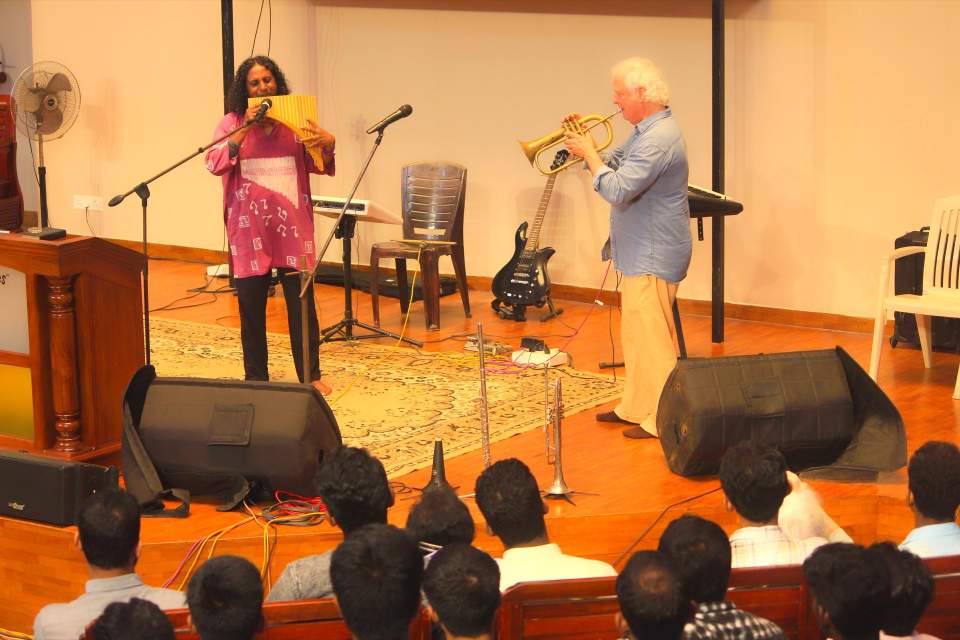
{"points": [[49, 489]]}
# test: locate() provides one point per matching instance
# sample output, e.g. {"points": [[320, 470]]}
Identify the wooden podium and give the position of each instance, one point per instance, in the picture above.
{"points": [[82, 343]]}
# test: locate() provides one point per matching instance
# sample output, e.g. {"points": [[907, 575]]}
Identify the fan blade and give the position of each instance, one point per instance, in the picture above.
{"points": [[59, 82], [50, 122], [29, 101]]}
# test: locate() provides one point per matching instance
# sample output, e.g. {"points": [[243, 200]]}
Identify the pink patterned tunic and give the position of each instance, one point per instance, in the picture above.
{"points": [[266, 198]]}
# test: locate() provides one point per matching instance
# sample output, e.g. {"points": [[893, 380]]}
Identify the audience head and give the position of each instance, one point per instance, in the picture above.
{"points": [[462, 585], [376, 573], [239, 91], [354, 488], [108, 525], [754, 479], [509, 498], [133, 620], [653, 604], [700, 551], [934, 479], [850, 590], [440, 518], [225, 598], [911, 588]]}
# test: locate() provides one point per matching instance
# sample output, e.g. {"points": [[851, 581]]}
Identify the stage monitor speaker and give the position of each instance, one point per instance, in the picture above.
{"points": [[49, 490], [223, 437], [820, 408]]}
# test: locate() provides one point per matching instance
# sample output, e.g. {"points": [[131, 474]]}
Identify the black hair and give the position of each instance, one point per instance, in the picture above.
{"points": [[109, 529], [225, 597], [462, 585], [509, 499], [135, 619], [376, 573], [354, 488], [851, 586], [238, 94], [911, 588], [440, 518], [700, 551], [754, 479], [934, 478], [652, 598]]}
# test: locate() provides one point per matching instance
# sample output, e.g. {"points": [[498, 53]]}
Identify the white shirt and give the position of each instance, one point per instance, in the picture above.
{"points": [[933, 540], [769, 546], [546, 562]]}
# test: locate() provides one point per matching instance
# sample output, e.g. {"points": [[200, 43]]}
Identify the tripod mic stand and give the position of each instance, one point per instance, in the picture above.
{"points": [[143, 192], [344, 228]]}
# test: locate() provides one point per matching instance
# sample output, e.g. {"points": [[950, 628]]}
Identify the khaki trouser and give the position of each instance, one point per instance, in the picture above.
{"points": [[648, 336]]}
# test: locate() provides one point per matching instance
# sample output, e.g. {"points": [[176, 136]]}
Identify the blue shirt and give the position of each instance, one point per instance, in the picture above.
{"points": [[645, 182], [933, 540]]}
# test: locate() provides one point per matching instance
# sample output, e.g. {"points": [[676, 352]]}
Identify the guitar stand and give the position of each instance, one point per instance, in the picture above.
{"points": [[517, 312], [554, 311]]}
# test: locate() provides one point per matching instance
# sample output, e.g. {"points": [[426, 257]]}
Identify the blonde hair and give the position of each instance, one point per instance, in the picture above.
{"points": [[641, 73]]}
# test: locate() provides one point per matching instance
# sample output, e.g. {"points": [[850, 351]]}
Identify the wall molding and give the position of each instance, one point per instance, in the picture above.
{"points": [[773, 315]]}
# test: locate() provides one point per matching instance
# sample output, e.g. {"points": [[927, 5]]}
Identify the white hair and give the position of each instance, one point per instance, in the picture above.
{"points": [[641, 73]]}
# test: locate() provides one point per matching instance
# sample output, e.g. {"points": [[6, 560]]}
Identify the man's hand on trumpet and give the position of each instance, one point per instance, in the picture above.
{"points": [[581, 144]]}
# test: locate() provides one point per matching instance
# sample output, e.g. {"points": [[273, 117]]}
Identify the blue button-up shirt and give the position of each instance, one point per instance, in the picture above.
{"points": [[645, 182]]}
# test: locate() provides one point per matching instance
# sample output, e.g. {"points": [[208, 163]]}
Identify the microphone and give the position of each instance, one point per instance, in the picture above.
{"points": [[262, 111], [402, 112]]}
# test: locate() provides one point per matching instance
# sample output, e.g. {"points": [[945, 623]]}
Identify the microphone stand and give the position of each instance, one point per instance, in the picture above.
{"points": [[344, 228], [143, 191]]}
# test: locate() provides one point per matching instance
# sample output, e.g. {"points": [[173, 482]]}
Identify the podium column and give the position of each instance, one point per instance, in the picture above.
{"points": [[63, 365]]}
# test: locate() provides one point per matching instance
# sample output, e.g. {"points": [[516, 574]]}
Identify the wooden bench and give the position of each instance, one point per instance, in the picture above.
{"points": [[300, 619]]}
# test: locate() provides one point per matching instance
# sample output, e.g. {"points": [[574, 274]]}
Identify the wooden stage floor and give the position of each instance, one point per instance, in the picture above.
{"points": [[626, 482]]}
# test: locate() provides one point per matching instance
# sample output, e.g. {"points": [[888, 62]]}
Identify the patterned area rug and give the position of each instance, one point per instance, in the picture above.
{"points": [[392, 400]]}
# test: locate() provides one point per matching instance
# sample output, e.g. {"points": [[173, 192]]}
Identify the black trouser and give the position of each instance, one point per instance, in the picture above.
{"points": [[252, 297]]}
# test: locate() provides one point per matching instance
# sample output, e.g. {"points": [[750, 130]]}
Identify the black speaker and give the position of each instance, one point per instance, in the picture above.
{"points": [[223, 437], [820, 408], [48, 489]]}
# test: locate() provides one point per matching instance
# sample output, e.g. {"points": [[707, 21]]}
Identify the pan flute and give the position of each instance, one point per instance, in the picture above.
{"points": [[293, 112]]}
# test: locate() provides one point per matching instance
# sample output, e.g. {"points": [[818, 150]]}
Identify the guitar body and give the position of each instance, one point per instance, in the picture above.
{"points": [[524, 280]]}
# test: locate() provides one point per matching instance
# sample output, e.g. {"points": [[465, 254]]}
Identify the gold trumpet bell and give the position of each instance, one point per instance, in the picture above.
{"points": [[533, 149]]}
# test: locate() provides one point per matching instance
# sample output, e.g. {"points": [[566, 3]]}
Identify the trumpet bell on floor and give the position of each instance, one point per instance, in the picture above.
{"points": [[553, 142]]}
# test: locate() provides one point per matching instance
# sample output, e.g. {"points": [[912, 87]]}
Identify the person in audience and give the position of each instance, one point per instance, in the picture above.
{"points": [[135, 619], [225, 597], [653, 605], [108, 525], [440, 518], [850, 591], [700, 551], [781, 520], [354, 488], [462, 586], [376, 573], [934, 495], [911, 590], [510, 501]]}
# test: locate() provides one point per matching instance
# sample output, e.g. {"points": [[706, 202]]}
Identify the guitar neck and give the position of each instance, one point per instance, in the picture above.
{"points": [[533, 235]]}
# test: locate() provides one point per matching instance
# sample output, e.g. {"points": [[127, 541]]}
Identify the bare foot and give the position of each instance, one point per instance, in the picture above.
{"points": [[323, 388]]}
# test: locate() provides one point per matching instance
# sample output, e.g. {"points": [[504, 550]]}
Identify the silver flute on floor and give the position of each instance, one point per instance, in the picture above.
{"points": [[484, 416]]}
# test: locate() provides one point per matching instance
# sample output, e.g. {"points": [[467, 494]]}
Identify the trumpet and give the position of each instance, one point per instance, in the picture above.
{"points": [[559, 488], [533, 149]]}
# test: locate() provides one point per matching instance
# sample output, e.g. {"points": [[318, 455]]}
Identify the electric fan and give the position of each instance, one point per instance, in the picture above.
{"points": [[46, 100]]}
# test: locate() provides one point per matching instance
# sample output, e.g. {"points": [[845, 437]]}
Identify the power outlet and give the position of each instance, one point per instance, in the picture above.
{"points": [[91, 203]]}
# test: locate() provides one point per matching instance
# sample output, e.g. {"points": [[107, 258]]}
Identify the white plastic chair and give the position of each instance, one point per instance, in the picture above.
{"points": [[940, 295]]}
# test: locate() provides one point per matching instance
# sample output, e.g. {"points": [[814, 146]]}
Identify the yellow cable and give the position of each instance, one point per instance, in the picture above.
{"points": [[14, 635], [413, 285], [215, 535]]}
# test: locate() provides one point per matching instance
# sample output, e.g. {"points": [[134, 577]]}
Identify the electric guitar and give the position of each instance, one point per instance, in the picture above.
{"points": [[524, 281]]}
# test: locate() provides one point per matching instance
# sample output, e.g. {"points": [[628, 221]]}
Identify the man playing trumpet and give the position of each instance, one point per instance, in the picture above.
{"points": [[645, 182]]}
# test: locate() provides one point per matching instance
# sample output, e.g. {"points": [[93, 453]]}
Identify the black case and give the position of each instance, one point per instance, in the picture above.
{"points": [[908, 278], [46, 489], [222, 437]]}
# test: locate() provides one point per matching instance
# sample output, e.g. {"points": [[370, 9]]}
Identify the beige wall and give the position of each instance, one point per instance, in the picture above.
{"points": [[838, 124]]}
